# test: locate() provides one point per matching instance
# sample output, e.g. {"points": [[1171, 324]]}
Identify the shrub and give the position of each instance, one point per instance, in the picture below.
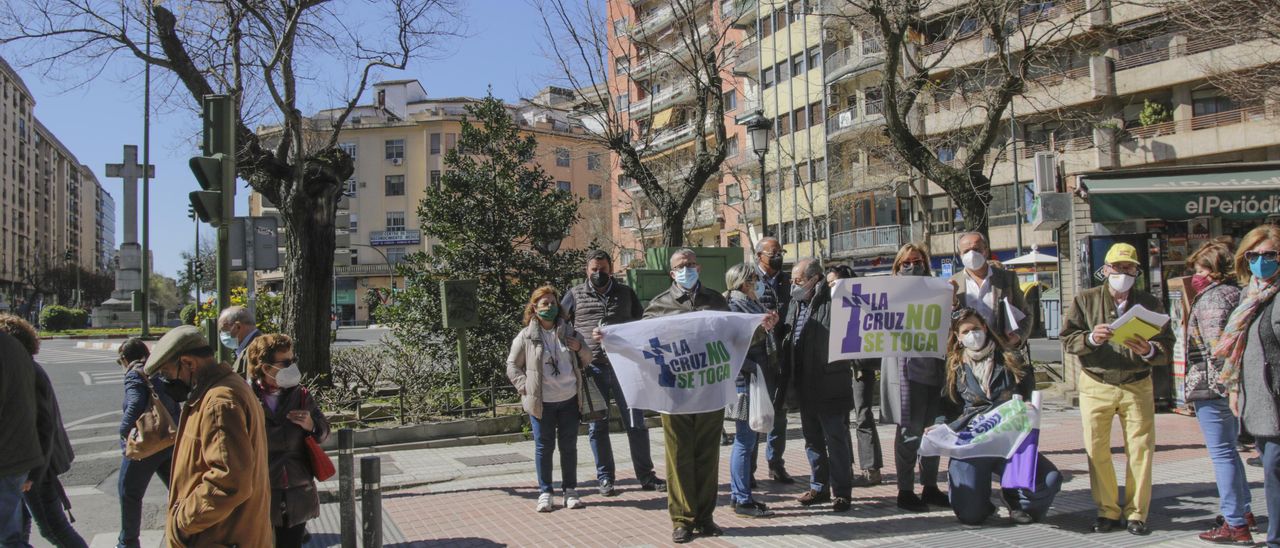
{"points": [[56, 318], [188, 314]]}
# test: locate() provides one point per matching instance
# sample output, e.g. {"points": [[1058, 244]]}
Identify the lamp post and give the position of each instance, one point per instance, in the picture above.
{"points": [[391, 269], [759, 132]]}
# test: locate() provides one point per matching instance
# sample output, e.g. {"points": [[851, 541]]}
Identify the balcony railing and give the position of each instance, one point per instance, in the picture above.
{"points": [[1230, 117], [658, 101], [395, 237], [1029, 150], [656, 20], [870, 240], [1165, 48], [849, 120], [852, 60]]}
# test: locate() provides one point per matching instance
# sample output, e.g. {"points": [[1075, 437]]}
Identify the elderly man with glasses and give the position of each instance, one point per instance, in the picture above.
{"points": [[1115, 380], [774, 292]]}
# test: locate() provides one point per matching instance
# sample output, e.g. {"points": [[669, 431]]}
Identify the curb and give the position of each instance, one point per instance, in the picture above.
{"points": [[112, 346]]}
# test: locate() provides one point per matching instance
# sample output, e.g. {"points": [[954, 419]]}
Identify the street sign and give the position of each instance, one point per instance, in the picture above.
{"points": [[459, 303], [266, 231]]}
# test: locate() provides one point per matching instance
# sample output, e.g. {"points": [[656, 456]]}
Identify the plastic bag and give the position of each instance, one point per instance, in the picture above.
{"points": [[761, 419]]}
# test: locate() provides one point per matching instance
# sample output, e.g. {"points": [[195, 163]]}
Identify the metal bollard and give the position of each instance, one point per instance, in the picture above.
{"points": [[347, 486], [371, 500]]}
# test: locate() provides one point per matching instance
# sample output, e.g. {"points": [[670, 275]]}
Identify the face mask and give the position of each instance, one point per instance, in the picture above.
{"points": [[227, 340], [775, 263], [1200, 282], [1262, 267], [1120, 283], [800, 292], [973, 260], [177, 389], [974, 340], [687, 277], [599, 279], [911, 270], [550, 313], [289, 377]]}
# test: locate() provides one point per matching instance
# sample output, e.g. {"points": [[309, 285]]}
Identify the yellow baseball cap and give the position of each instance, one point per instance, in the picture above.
{"points": [[1122, 253]]}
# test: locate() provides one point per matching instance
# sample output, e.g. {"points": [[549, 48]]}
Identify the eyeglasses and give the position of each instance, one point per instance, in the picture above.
{"points": [[780, 253], [1268, 255], [962, 312], [917, 262]]}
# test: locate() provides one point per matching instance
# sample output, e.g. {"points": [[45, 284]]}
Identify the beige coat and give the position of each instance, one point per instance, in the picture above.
{"points": [[1003, 284], [219, 489], [524, 363]]}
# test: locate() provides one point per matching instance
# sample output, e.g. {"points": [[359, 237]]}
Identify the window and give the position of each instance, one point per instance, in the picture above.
{"points": [[886, 210], [874, 96], [782, 70], [351, 188], [1206, 102], [789, 231], [625, 182], [783, 125], [564, 186], [593, 161], [435, 143], [395, 255], [796, 12], [731, 146], [394, 149], [395, 221], [395, 185], [815, 57], [766, 78], [620, 26], [946, 154], [435, 179], [815, 114], [450, 142], [733, 194], [798, 119], [802, 230], [595, 192], [355, 223], [730, 100], [797, 64], [621, 65], [349, 148], [562, 158], [623, 101], [780, 19], [626, 219], [817, 169], [764, 27], [871, 44]]}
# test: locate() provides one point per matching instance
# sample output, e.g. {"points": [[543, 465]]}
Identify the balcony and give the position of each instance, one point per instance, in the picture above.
{"points": [[1168, 60], [395, 237], [869, 241], [658, 60], [741, 12], [747, 61], [859, 178], [655, 21], [848, 122], [658, 101], [852, 61], [1234, 130], [701, 216]]}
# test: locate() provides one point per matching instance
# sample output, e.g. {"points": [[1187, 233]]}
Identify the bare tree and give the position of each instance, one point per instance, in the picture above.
{"points": [[581, 41], [931, 64], [267, 56], [1253, 76]]}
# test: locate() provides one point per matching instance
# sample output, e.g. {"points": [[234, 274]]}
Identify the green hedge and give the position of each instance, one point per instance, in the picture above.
{"points": [[61, 318]]}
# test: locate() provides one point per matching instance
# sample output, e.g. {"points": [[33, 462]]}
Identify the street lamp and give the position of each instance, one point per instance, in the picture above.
{"points": [[759, 132]]}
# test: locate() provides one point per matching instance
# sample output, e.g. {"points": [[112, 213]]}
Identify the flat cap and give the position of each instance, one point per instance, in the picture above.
{"points": [[175, 342]]}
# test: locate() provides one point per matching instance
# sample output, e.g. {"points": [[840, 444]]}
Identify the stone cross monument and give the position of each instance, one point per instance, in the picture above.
{"points": [[117, 311]]}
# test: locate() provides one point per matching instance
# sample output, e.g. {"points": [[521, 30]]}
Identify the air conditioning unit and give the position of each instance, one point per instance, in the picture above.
{"points": [[397, 161], [1046, 175]]}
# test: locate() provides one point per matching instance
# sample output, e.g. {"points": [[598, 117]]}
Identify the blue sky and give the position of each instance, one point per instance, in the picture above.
{"points": [[502, 50]]}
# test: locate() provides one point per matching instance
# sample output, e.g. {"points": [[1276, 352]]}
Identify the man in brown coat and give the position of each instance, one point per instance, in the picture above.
{"points": [[219, 490]]}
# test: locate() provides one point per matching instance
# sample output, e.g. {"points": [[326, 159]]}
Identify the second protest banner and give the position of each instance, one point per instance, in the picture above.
{"points": [[890, 317]]}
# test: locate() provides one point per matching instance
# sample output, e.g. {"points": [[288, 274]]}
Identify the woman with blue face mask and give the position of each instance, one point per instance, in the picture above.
{"points": [[1250, 349]]}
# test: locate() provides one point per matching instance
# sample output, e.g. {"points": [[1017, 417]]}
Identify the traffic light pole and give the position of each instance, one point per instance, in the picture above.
{"points": [[215, 203], [146, 194]]}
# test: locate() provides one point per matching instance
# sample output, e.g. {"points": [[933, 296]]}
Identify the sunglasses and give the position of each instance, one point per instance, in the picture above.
{"points": [[1268, 255], [284, 364], [961, 313]]}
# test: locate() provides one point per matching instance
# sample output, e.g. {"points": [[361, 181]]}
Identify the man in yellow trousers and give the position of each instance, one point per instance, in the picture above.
{"points": [[1115, 380]]}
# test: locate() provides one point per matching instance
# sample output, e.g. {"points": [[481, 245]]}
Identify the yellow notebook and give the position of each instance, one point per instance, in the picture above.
{"points": [[1137, 322]]}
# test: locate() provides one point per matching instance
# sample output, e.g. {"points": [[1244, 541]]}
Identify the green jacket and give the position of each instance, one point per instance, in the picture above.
{"points": [[1111, 363], [676, 301]]}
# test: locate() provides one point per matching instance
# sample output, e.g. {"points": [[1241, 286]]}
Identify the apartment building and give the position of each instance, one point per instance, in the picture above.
{"points": [[399, 143], [647, 41], [53, 211]]}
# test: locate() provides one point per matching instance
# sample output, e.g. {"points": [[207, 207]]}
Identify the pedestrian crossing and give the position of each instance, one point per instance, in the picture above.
{"points": [[92, 378], [62, 356]]}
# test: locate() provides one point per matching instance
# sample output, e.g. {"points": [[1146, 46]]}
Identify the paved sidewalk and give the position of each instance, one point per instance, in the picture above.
{"points": [[484, 496]]}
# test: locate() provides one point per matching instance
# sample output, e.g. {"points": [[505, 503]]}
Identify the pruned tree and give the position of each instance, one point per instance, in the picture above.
{"points": [[931, 65], [1253, 76], [269, 56], [582, 43]]}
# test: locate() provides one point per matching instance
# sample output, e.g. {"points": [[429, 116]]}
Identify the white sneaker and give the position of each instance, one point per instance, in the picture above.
{"points": [[544, 503], [571, 500]]}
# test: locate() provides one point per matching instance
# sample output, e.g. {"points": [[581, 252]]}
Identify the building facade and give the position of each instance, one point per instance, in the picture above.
{"points": [[53, 211], [399, 145]]}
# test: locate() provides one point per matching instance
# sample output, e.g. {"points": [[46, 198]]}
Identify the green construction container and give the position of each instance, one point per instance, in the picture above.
{"points": [[650, 282]]}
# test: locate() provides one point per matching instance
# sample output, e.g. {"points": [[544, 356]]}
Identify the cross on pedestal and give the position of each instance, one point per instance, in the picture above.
{"points": [[129, 171]]}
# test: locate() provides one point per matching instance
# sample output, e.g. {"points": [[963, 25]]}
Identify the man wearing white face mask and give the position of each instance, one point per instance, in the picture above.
{"points": [[1115, 380], [236, 329], [990, 290]]}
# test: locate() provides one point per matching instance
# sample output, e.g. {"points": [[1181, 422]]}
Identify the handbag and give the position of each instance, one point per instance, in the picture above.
{"points": [[321, 465], [593, 407], [153, 432], [740, 409]]}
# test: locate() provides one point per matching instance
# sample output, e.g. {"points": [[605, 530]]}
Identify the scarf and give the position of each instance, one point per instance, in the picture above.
{"points": [[982, 363], [1236, 333]]}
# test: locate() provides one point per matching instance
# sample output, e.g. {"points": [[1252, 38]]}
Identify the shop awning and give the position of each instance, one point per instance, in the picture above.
{"points": [[1228, 191]]}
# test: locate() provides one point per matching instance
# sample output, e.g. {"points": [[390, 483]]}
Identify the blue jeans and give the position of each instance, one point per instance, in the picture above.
{"points": [[44, 506], [1220, 429], [776, 442], [1270, 448], [558, 425], [742, 460], [970, 488], [631, 419], [830, 450], [135, 476], [11, 516]]}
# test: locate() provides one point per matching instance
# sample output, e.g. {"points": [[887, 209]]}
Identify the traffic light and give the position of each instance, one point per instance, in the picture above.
{"points": [[215, 169]]}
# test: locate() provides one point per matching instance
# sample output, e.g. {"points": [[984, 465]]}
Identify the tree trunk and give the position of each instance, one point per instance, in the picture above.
{"points": [[972, 196], [673, 231], [308, 281]]}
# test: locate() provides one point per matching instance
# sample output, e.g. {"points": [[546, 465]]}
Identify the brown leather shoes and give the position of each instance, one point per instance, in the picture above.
{"points": [[811, 497]]}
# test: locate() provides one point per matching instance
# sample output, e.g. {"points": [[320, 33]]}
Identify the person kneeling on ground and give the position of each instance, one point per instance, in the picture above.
{"points": [[981, 375]]}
